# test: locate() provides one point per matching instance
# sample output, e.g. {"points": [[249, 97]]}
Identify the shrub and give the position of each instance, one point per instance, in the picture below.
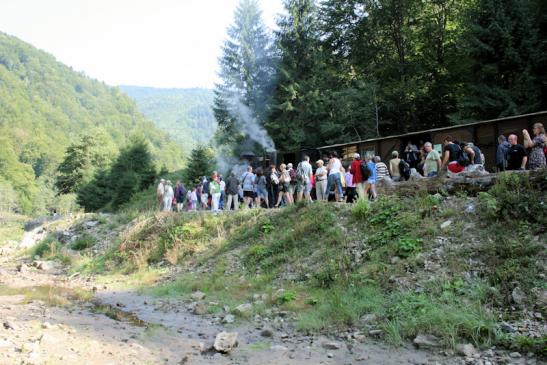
{"points": [[83, 242]]}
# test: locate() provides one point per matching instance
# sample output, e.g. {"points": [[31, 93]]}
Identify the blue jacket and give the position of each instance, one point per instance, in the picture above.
{"points": [[373, 173], [501, 152]]}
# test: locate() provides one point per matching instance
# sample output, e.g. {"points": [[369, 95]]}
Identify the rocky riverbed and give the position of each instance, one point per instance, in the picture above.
{"points": [[50, 317]]}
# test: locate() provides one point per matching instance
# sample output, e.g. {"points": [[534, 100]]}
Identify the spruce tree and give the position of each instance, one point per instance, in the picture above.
{"points": [[201, 163], [246, 77]]}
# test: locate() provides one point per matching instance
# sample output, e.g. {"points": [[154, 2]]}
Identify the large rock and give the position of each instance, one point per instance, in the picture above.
{"points": [[225, 342], [243, 310], [426, 341], [518, 296]]}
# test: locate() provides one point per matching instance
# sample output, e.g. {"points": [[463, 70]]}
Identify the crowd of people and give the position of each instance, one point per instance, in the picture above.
{"points": [[337, 180]]}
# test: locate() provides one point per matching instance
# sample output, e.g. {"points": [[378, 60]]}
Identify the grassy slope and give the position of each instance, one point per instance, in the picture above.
{"points": [[331, 265]]}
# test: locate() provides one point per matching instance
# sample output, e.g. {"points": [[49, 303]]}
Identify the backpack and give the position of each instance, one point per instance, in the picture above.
{"points": [[365, 171], [463, 159], [292, 174], [300, 176], [404, 169]]}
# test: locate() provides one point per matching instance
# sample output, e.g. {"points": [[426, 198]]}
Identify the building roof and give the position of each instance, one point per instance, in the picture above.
{"points": [[436, 129]]}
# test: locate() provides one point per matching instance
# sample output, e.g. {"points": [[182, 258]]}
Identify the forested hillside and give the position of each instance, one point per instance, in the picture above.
{"points": [[353, 69], [44, 107], [185, 114]]}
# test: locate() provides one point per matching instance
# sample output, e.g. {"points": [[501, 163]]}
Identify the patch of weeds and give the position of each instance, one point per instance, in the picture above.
{"points": [[83, 242], [522, 343], [361, 209], [407, 246], [286, 297]]}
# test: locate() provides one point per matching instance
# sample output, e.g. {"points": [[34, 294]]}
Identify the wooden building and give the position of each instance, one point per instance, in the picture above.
{"points": [[484, 134]]}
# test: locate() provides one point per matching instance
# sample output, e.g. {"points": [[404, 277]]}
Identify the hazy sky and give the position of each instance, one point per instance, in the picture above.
{"points": [[161, 43]]}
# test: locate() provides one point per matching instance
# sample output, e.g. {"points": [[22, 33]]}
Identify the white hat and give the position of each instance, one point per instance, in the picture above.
{"points": [[356, 156]]}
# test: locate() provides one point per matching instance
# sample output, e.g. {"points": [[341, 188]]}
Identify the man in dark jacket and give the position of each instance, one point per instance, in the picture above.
{"points": [[232, 192], [501, 153]]}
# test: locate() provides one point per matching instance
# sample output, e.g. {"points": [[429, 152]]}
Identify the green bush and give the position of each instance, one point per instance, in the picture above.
{"points": [[83, 242]]}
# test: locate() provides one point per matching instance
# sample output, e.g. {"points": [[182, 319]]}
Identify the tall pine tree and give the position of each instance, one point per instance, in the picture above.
{"points": [[246, 70]]}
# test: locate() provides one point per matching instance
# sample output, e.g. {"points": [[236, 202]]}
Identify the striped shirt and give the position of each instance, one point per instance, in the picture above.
{"points": [[382, 170]]}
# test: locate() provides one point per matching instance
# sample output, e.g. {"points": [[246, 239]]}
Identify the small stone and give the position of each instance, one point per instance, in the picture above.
{"points": [[330, 355], [198, 295], [229, 318], [225, 342], [22, 268], [506, 327], [426, 341], [515, 355], [369, 318], [47, 325], [9, 325], [375, 333], [518, 296], [267, 332], [243, 309], [200, 309], [278, 348], [332, 346], [446, 224], [466, 350], [91, 224]]}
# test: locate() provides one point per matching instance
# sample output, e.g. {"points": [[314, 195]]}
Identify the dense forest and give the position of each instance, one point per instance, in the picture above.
{"points": [[338, 70], [185, 114], [46, 107]]}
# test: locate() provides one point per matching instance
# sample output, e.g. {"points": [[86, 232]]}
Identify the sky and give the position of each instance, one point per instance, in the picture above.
{"points": [[159, 43]]}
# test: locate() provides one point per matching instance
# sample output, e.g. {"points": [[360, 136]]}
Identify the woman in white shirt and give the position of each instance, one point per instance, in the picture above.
{"points": [[334, 167]]}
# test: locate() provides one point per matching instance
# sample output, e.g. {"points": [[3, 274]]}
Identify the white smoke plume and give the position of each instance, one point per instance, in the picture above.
{"points": [[250, 125]]}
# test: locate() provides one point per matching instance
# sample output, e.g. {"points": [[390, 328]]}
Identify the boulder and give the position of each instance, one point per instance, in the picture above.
{"points": [[267, 332], [229, 318], [225, 342], [91, 224], [518, 296], [426, 341]]}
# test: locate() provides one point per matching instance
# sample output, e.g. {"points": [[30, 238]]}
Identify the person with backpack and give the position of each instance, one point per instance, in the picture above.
{"points": [[321, 181], [261, 190], [335, 167], [370, 184], [248, 182], [355, 171], [304, 174], [180, 195], [453, 157], [394, 166], [232, 190], [501, 153]]}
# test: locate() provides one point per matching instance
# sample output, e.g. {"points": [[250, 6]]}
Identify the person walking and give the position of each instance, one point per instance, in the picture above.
{"points": [[304, 174], [248, 182], [160, 192], [536, 144], [321, 181], [261, 190], [335, 167], [370, 185], [180, 194], [232, 192], [214, 187], [168, 197]]}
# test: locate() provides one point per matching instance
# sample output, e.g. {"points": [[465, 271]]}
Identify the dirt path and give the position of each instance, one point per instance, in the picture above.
{"points": [[49, 318]]}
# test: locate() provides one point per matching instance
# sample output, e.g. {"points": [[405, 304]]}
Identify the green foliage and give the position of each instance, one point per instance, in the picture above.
{"points": [[131, 172], [286, 297], [361, 209], [44, 108], [407, 246], [83, 242], [201, 163], [185, 114]]}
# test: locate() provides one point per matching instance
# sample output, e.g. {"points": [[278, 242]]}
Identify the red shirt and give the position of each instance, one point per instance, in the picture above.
{"points": [[355, 170]]}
